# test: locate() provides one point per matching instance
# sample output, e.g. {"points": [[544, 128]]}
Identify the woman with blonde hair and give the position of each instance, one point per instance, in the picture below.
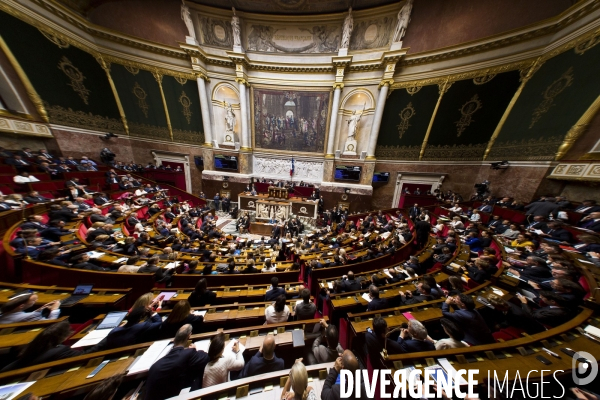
{"points": [[148, 301], [298, 382]]}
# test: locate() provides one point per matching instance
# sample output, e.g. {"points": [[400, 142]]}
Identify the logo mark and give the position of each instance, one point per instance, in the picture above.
{"points": [[583, 363], [250, 204], [303, 210]]}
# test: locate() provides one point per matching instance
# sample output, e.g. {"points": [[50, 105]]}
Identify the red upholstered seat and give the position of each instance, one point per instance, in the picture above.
{"points": [[586, 286]]}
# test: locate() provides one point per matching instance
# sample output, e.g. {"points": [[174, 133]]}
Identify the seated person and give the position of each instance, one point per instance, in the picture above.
{"points": [[466, 316], [376, 339], [264, 361], [415, 339], [222, 361], [554, 313], [376, 303], [508, 314], [351, 284], [478, 271], [275, 290], [454, 339], [326, 347], [180, 315], [305, 309], [424, 294], [277, 312], [142, 326], [13, 311]]}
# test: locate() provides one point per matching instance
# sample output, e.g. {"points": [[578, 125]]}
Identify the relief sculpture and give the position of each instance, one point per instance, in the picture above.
{"points": [[316, 39]]}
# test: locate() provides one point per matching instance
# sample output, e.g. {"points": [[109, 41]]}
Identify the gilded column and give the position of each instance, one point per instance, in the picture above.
{"points": [[384, 87], [577, 129], [246, 145], [158, 78], [106, 67], [204, 108], [525, 77], [33, 95], [335, 107], [443, 89]]}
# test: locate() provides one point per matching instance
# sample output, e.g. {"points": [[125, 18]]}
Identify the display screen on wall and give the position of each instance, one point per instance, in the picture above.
{"points": [[347, 173], [199, 161], [226, 162], [290, 120], [381, 177]]}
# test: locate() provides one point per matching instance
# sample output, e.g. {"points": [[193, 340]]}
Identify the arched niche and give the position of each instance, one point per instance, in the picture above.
{"points": [[226, 93], [359, 100]]}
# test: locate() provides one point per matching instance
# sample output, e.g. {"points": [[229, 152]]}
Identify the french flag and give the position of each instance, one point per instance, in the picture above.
{"points": [[292, 169]]}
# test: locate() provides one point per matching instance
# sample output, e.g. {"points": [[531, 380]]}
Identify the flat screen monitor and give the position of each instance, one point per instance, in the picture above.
{"points": [[347, 173], [226, 162], [382, 177], [199, 161]]}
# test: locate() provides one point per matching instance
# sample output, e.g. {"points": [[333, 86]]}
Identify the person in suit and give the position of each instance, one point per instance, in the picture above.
{"points": [[557, 232], [179, 316], [25, 152], [331, 387], [216, 201], [479, 271], [587, 207], [202, 296], [591, 222], [82, 261], [275, 290], [276, 233], [507, 314], [553, 314], [142, 326], [423, 293], [535, 268], [18, 163], [414, 211], [35, 198], [543, 208], [485, 207], [34, 222], [376, 303], [466, 316], [376, 339], [55, 230], [538, 223], [422, 229], [100, 199], [350, 284], [415, 338], [111, 176], [264, 361], [226, 204], [177, 370]]}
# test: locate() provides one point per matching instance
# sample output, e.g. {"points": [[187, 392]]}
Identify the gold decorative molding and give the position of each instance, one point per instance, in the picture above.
{"points": [[185, 102], [11, 125], [534, 149], [482, 80], [106, 67], [79, 119], [405, 115], [577, 130], [76, 77], [141, 95], [63, 44], [31, 92], [462, 152], [467, 111], [526, 75], [413, 89], [553, 90], [338, 85], [443, 88], [158, 76], [397, 152]]}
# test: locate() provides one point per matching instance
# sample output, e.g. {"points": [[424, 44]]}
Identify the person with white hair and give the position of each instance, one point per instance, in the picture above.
{"points": [[414, 338]]}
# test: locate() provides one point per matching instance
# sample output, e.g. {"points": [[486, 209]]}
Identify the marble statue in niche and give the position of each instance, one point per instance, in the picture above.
{"points": [[403, 20], [187, 19], [235, 26], [347, 30], [229, 122]]}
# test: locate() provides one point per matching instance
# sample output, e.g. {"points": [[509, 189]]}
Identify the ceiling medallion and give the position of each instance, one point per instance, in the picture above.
{"points": [[76, 78], [141, 95], [550, 93], [290, 4], [132, 70], [63, 44], [467, 111], [480, 80], [413, 90], [405, 115], [186, 103], [181, 80]]}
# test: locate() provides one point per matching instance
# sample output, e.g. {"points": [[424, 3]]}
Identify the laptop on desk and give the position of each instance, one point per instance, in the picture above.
{"points": [[112, 320], [79, 293]]}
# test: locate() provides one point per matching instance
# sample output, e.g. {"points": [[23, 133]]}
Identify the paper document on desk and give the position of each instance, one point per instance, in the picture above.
{"points": [[367, 297], [538, 231], [445, 364], [330, 285], [95, 254], [509, 250], [154, 353], [497, 291], [385, 271], [202, 345], [171, 265], [592, 330], [121, 260], [201, 313], [92, 338], [229, 345]]}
